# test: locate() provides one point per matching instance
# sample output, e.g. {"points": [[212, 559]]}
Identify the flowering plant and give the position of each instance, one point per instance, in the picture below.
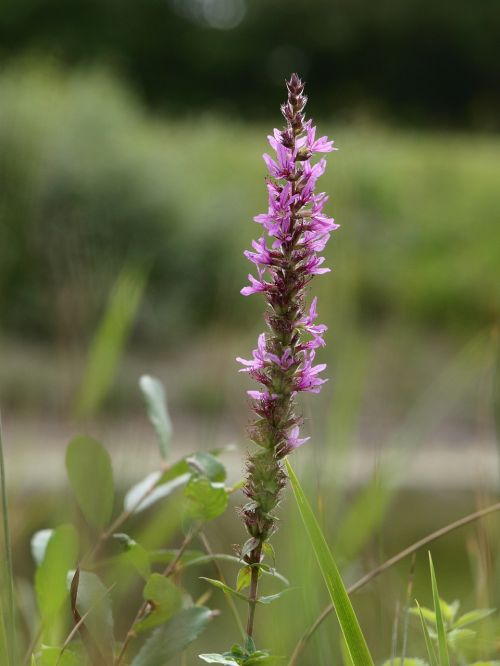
{"points": [[284, 361]]}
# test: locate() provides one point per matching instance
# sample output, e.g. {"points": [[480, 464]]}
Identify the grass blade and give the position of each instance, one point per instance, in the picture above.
{"points": [[444, 659], [428, 643], [108, 343], [7, 615], [355, 641]]}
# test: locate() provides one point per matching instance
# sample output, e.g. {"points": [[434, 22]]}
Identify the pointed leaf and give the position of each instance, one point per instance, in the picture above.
{"points": [[156, 404], [225, 588], [444, 658], [91, 476], [348, 621], [173, 637], [473, 616], [428, 643]]}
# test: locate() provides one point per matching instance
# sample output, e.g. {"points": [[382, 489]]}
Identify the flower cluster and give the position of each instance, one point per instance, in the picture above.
{"points": [[298, 229]]}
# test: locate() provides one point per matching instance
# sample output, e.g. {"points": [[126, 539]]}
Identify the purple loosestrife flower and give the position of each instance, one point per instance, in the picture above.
{"points": [[297, 230]]}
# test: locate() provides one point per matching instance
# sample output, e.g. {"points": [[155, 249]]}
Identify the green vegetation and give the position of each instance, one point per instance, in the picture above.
{"points": [[90, 182]]}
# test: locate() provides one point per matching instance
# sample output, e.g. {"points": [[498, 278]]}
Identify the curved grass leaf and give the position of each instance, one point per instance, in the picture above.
{"points": [[173, 637], [110, 338], [91, 477], [156, 405], [348, 621], [444, 659], [428, 643]]}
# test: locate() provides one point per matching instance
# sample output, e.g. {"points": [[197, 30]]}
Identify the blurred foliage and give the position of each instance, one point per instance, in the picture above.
{"points": [[414, 61], [91, 182]]}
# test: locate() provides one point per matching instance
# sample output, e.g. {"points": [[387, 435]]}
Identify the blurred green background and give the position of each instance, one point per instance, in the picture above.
{"points": [[130, 169]]}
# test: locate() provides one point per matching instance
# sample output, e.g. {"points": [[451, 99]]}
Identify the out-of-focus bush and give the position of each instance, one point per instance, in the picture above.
{"points": [[90, 182]]}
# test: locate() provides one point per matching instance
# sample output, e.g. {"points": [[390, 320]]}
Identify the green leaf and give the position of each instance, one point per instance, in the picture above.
{"points": [[109, 341], [135, 555], [473, 616], [428, 643], [51, 656], [269, 598], [449, 611], [156, 486], [165, 598], [173, 637], [444, 658], [39, 542], [50, 577], [461, 639], [205, 464], [428, 614], [225, 588], [91, 477], [244, 578], [156, 404], [93, 598], [348, 621], [218, 659], [206, 500]]}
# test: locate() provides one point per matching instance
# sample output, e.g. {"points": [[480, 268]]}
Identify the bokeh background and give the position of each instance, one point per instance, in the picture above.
{"points": [[131, 136]]}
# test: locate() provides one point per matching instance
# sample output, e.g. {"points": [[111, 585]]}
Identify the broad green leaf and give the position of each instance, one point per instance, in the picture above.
{"points": [[109, 340], [165, 598], [428, 643], [173, 637], [444, 658], [156, 404], [51, 656], [207, 465], [205, 500], [348, 621], [473, 616], [225, 588], [93, 598], [156, 486], [91, 476], [50, 577], [39, 542], [135, 555]]}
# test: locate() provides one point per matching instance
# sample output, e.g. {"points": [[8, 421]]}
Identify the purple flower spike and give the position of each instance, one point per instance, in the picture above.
{"points": [[298, 231], [283, 363]]}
